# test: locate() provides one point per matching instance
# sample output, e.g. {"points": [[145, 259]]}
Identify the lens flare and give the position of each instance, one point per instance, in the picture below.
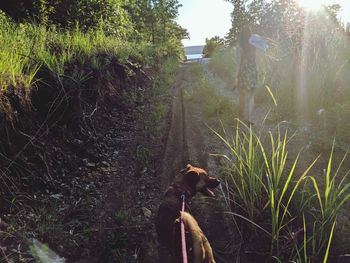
{"points": [[312, 5]]}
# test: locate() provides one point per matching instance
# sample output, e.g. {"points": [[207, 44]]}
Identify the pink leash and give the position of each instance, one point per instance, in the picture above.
{"points": [[183, 238]]}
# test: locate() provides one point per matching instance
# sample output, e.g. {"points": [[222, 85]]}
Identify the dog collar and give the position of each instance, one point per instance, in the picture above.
{"points": [[182, 191], [183, 197]]}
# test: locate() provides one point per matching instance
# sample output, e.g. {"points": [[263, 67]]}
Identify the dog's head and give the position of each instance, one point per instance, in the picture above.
{"points": [[198, 180]]}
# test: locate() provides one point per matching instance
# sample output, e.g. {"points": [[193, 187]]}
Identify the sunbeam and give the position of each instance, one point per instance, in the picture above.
{"points": [[314, 5]]}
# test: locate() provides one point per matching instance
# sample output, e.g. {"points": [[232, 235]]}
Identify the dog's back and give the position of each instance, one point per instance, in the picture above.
{"points": [[190, 181]]}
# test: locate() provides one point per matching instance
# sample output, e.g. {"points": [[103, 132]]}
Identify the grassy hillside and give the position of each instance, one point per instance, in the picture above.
{"points": [[68, 101]]}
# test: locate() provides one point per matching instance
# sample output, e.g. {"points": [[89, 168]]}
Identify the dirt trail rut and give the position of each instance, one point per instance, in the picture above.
{"points": [[184, 142], [190, 141]]}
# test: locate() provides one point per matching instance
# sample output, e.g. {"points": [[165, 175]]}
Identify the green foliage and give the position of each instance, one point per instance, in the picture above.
{"points": [[281, 189], [141, 30], [130, 20], [211, 45], [89, 15], [159, 97], [244, 170], [214, 106], [277, 203], [331, 196], [27, 47], [277, 19], [154, 114], [303, 80], [172, 47], [306, 64], [239, 18], [168, 72], [224, 64]]}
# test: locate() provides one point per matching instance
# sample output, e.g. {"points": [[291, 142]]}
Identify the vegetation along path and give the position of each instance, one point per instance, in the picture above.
{"points": [[98, 114], [204, 132]]}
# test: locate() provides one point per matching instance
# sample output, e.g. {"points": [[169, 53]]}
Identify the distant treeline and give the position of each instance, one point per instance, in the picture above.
{"points": [[284, 21]]}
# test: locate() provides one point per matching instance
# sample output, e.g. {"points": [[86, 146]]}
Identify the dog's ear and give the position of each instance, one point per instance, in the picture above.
{"points": [[192, 178], [188, 167]]}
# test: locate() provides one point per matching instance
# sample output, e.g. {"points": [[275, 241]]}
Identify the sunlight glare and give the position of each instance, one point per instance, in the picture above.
{"points": [[312, 5]]}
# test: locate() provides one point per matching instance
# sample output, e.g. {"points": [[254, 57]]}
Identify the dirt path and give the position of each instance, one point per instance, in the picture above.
{"points": [[190, 141]]}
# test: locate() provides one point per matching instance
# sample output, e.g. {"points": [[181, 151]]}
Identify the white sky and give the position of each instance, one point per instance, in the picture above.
{"points": [[345, 12], [204, 19], [209, 18]]}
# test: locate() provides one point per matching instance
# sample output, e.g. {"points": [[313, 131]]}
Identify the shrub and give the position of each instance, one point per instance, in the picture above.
{"points": [[223, 63]]}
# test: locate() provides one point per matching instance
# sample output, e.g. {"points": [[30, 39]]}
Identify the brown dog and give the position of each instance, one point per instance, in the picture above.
{"points": [[190, 181]]}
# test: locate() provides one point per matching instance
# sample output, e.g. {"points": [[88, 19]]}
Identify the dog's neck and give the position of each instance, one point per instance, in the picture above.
{"points": [[182, 189]]}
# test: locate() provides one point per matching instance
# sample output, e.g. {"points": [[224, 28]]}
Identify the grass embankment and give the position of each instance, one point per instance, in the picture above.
{"points": [[27, 48], [57, 78], [64, 97], [281, 211]]}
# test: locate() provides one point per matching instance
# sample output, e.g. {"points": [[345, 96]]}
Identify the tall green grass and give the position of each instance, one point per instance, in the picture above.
{"points": [[244, 169], [294, 211], [27, 47]]}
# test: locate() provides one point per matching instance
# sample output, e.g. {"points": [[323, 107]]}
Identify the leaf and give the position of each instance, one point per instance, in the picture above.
{"points": [[271, 94]]}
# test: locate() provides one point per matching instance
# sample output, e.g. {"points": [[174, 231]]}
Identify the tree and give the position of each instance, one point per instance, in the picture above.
{"points": [[213, 44], [133, 20], [239, 17], [150, 20], [278, 19]]}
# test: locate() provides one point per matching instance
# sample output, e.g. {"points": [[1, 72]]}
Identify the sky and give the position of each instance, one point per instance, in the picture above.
{"points": [[209, 18], [204, 19]]}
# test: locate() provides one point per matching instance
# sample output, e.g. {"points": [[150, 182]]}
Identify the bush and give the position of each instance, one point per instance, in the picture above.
{"points": [[223, 63], [212, 45]]}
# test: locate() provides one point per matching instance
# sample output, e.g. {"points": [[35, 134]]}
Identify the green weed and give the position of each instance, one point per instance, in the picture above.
{"points": [[331, 196], [244, 171], [297, 218]]}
